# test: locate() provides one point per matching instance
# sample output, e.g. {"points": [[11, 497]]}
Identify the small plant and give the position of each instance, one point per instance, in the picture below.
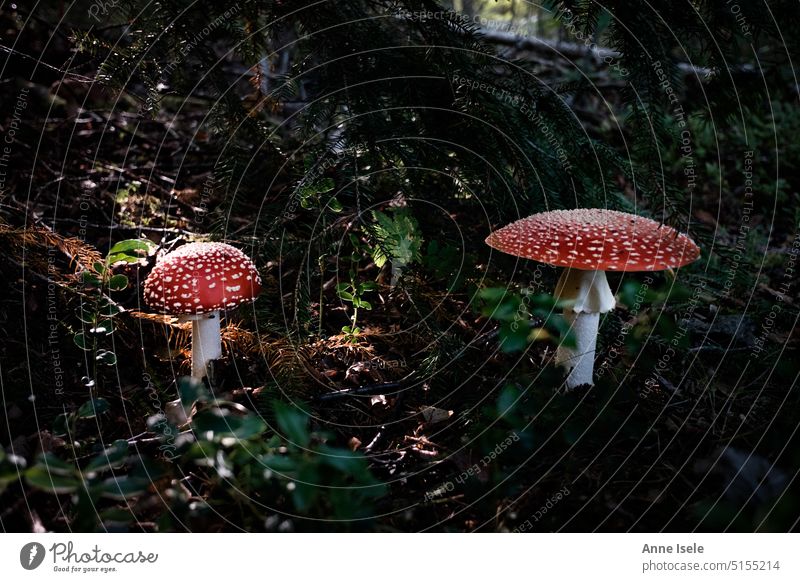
{"points": [[225, 452], [353, 293], [524, 318], [97, 309], [399, 241]]}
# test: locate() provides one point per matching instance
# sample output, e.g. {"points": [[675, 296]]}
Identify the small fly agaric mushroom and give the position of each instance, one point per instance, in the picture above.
{"points": [[196, 281], [590, 241]]}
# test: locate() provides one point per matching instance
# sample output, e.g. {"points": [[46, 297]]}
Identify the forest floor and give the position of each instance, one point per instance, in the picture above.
{"points": [[423, 420]]}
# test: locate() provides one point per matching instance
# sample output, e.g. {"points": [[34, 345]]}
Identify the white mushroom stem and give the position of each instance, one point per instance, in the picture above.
{"points": [[206, 341], [589, 296]]}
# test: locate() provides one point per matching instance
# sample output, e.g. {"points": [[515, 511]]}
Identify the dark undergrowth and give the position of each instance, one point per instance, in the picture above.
{"points": [[395, 374]]}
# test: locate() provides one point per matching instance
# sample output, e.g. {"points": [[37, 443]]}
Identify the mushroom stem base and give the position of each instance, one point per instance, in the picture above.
{"points": [[590, 296], [206, 342], [579, 361]]}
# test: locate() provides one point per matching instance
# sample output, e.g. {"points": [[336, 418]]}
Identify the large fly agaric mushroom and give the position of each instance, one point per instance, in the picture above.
{"points": [[196, 282], [588, 242]]}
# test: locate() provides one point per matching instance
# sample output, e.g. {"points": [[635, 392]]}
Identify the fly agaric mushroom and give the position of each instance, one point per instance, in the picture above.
{"points": [[196, 282], [588, 242]]}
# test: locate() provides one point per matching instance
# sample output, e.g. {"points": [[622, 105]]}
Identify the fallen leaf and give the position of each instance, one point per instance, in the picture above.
{"points": [[432, 415]]}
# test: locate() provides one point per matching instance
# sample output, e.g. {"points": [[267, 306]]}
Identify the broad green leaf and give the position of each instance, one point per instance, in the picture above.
{"points": [[112, 457], [122, 258], [40, 477], [118, 283], [124, 487], [108, 308], [335, 205], [507, 399], [82, 341], [281, 464], [129, 251], [293, 424], [513, 336], [92, 408], [88, 317], [344, 460], [55, 465], [131, 246], [216, 423], [192, 390], [61, 424], [89, 278]]}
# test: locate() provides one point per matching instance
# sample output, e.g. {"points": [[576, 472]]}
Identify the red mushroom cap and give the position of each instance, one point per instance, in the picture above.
{"points": [[596, 239], [202, 277]]}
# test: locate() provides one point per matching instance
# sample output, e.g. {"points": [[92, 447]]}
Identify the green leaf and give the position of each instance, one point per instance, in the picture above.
{"points": [[131, 246], [325, 185], [106, 357], [216, 423], [55, 465], [506, 401], [365, 304], [93, 408], [148, 469], [122, 488], [89, 278], [513, 336], [304, 495], [500, 304], [344, 460], [335, 205], [112, 457], [192, 390], [556, 323], [379, 258], [282, 464], [345, 296], [108, 308], [53, 475], [82, 341], [118, 283], [121, 258], [309, 192], [493, 294], [88, 317], [61, 424], [116, 515], [99, 267], [40, 478], [129, 251], [293, 424]]}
